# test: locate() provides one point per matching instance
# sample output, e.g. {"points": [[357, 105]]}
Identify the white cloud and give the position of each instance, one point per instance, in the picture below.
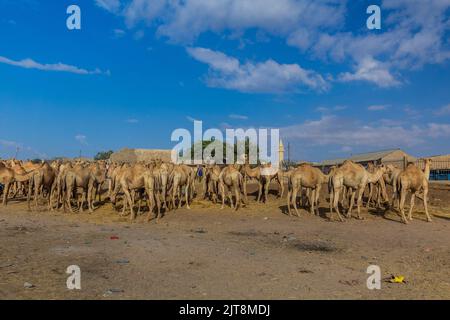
{"points": [[238, 116], [184, 21], [377, 107], [414, 33], [109, 5], [342, 132], [119, 33], [61, 67], [372, 71], [81, 138], [263, 77], [445, 110], [132, 120]]}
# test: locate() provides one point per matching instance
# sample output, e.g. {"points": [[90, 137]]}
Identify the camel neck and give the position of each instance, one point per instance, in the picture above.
{"points": [[373, 177]]}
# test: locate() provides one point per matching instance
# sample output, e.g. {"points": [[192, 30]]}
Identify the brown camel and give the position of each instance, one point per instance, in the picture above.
{"points": [[391, 177], [8, 176], [42, 179], [182, 176], [78, 178], [252, 174], [211, 182], [305, 176], [232, 178], [129, 179], [377, 189], [355, 177], [268, 175], [414, 180]]}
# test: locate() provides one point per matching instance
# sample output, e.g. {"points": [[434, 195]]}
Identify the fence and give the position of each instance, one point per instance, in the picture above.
{"points": [[439, 170]]}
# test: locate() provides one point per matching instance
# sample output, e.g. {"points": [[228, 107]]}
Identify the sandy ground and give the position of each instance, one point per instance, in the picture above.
{"points": [[207, 253]]}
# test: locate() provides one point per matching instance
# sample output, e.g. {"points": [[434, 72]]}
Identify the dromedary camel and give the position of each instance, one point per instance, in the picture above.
{"points": [[252, 174], [182, 176], [7, 177], [232, 178], [391, 177], [305, 176], [42, 178], [211, 182], [414, 180], [355, 177], [268, 175], [377, 189]]}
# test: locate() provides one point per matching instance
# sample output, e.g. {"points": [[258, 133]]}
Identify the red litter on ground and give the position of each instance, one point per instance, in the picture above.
{"points": [[114, 238]]}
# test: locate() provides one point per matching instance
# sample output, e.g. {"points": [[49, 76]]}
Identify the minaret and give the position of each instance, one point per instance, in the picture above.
{"points": [[281, 152]]}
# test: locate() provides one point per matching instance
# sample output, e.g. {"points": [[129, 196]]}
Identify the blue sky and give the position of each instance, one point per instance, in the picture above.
{"points": [[138, 69]]}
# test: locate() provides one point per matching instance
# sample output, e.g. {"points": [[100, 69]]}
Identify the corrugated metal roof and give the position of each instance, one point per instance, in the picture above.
{"points": [[362, 157], [370, 156]]}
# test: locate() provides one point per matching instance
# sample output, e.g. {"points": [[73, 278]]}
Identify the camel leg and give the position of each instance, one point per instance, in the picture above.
{"points": [[289, 202], [411, 205], [151, 204], [179, 196], [230, 197], [158, 207], [336, 202], [370, 195], [313, 196], [266, 191], [186, 190], [316, 199], [402, 204], [52, 195], [36, 194], [259, 191], [238, 198], [425, 204], [359, 202], [5, 193], [294, 200], [222, 191], [29, 194], [352, 200], [174, 192], [90, 201], [68, 200], [130, 203]]}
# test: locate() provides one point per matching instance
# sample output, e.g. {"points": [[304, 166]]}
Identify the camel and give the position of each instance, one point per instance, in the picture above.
{"points": [[232, 178], [78, 177], [98, 177], [129, 179], [182, 175], [42, 178], [377, 189], [252, 174], [308, 177], [355, 177], [391, 177], [153, 188], [267, 176], [165, 170], [8, 176], [413, 180], [211, 182]]}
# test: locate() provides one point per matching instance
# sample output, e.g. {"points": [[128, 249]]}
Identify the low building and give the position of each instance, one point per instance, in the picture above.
{"points": [[394, 156]]}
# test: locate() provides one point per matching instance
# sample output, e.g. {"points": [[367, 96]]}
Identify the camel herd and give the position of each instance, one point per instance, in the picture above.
{"points": [[164, 186]]}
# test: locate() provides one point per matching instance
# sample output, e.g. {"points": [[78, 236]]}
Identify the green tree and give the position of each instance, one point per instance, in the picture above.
{"points": [[103, 155]]}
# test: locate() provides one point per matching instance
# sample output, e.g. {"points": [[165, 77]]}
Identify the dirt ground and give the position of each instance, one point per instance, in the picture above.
{"points": [[206, 253]]}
